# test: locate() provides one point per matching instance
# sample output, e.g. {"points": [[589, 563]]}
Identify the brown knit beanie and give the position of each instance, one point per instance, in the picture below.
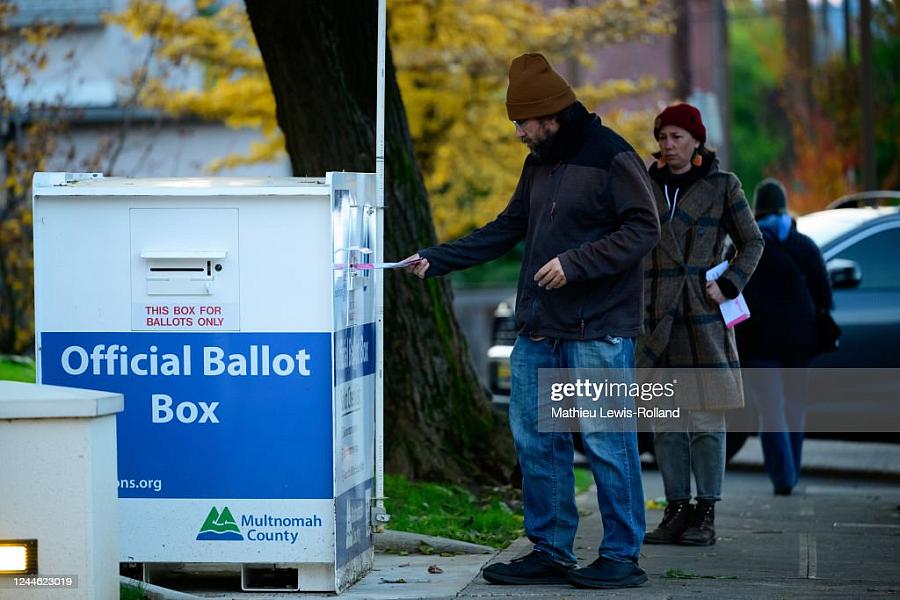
{"points": [[535, 89]]}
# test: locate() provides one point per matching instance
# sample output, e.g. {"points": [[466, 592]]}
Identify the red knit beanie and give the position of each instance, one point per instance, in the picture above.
{"points": [[535, 89], [681, 115]]}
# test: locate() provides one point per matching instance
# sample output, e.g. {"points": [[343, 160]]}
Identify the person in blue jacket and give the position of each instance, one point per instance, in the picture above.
{"points": [[789, 288]]}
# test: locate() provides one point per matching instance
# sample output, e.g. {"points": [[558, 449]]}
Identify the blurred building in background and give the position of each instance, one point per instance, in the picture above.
{"points": [[92, 80], [690, 65]]}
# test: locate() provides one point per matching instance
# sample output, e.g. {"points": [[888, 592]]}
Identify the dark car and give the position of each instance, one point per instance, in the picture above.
{"points": [[860, 242]]}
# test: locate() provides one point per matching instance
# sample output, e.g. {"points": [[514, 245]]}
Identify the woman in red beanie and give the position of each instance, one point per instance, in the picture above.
{"points": [[699, 206]]}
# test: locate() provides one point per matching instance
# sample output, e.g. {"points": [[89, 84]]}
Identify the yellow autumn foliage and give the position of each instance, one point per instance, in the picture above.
{"points": [[220, 42], [23, 54], [451, 58]]}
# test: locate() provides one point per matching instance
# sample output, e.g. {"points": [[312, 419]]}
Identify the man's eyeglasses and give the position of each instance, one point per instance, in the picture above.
{"points": [[520, 124]]}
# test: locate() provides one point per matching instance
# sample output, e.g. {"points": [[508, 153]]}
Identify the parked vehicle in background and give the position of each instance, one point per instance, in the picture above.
{"points": [[503, 336], [859, 236], [860, 245]]}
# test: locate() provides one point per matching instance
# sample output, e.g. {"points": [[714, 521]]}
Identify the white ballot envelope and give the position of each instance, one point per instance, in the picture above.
{"points": [[733, 311], [384, 265]]}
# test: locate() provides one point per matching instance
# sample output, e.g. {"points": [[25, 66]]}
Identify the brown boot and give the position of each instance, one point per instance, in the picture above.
{"points": [[675, 520], [702, 530]]}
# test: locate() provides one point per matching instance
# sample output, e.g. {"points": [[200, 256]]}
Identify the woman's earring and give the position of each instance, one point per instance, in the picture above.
{"points": [[697, 160]]}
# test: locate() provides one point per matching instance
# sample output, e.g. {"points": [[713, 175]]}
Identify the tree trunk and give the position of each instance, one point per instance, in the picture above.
{"points": [[321, 60], [681, 55], [798, 44], [867, 97]]}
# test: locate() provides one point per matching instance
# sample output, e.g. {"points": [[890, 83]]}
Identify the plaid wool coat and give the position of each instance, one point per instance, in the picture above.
{"points": [[682, 328]]}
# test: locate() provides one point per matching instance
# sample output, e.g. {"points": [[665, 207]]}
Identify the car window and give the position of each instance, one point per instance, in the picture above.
{"points": [[877, 258]]}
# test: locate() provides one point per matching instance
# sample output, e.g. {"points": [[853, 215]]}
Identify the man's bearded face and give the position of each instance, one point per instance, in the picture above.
{"points": [[537, 134]]}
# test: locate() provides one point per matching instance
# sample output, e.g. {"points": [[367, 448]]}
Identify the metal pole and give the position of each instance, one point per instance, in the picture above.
{"points": [[379, 273]]}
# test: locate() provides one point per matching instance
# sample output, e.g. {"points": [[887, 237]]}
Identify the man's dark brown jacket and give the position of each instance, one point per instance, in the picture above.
{"points": [[589, 203]]}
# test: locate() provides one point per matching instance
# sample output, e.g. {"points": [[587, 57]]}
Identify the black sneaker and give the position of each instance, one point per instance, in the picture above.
{"points": [[702, 530], [675, 520], [603, 574], [536, 568]]}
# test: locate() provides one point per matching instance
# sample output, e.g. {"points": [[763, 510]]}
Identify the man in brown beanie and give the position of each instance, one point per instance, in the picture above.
{"points": [[585, 209]]}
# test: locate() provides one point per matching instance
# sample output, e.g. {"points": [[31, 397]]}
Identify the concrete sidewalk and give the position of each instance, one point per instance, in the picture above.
{"points": [[833, 538], [449, 568], [838, 536]]}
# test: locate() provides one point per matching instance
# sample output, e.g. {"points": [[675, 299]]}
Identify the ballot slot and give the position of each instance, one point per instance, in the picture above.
{"points": [[182, 273], [185, 269]]}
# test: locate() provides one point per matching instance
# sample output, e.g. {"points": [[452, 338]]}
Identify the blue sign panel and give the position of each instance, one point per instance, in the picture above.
{"points": [[352, 530], [354, 352], [209, 415]]}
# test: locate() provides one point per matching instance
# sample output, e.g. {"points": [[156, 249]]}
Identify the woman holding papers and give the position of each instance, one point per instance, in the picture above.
{"points": [[684, 329]]}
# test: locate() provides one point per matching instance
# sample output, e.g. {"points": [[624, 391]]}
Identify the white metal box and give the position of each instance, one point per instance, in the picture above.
{"points": [[229, 314]]}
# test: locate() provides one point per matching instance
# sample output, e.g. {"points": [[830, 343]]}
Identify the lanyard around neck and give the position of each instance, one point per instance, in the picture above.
{"points": [[671, 204]]}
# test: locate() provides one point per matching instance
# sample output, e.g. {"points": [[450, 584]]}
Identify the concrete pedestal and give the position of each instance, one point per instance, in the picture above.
{"points": [[58, 457]]}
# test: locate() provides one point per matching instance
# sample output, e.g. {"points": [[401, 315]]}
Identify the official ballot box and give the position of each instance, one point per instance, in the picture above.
{"points": [[231, 314]]}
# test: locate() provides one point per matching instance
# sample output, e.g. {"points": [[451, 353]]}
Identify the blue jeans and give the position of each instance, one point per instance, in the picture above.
{"points": [[547, 459], [777, 391], [694, 443]]}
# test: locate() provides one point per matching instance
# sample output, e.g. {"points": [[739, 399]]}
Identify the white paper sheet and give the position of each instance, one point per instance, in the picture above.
{"points": [[733, 311]]}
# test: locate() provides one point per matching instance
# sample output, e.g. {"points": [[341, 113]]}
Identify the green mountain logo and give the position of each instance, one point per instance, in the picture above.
{"points": [[220, 526]]}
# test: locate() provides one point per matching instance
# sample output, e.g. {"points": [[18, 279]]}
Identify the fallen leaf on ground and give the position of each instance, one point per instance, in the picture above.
{"points": [[435, 569], [656, 503], [679, 574], [425, 548]]}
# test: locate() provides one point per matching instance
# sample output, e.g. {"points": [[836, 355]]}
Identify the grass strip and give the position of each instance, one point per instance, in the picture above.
{"points": [[482, 515], [489, 515], [130, 592], [17, 368]]}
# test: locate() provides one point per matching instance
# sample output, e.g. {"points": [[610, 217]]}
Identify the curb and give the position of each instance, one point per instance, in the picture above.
{"points": [[155, 592], [835, 458], [405, 541]]}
